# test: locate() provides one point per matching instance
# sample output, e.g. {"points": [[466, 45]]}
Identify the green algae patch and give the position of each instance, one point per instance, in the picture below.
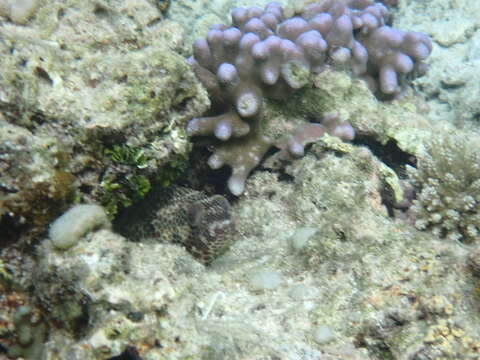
{"points": [[134, 179]]}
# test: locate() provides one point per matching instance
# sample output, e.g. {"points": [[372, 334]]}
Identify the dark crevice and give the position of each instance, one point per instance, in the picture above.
{"points": [[38, 118], [397, 160], [451, 86], [7, 190], [200, 176], [182, 105], [9, 228], [130, 353], [389, 153], [85, 189], [60, 13], [42, 74], [154, 22], [81, 323], [100, 10], [375, 347], [284, 177], [107, 137]]}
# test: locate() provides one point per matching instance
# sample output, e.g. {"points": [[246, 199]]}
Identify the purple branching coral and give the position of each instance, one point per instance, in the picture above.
{"points": [[264, 55]]}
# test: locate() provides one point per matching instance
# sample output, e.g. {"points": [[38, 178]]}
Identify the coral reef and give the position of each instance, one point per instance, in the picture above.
{"points": [[93, 116], [301, 282], [447, 178], [266, 55], [315, 267]]}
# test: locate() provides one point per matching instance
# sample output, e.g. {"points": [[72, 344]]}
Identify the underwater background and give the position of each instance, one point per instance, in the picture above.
{"points": [[302, 183]]}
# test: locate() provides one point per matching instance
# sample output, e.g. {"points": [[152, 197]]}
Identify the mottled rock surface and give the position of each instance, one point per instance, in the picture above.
{"points": [[452, 84], [94, 98], [269, 294], [326, 262]]}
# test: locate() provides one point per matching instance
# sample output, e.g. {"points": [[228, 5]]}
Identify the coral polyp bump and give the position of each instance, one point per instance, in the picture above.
{"points": [[265, 55]]}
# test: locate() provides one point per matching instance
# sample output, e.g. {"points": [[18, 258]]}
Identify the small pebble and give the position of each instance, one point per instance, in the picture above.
{"points": [[322, 334], [265, 279]]}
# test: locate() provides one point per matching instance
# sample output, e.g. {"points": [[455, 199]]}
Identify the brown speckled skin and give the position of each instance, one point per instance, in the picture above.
{"points": [[200, 223]]}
